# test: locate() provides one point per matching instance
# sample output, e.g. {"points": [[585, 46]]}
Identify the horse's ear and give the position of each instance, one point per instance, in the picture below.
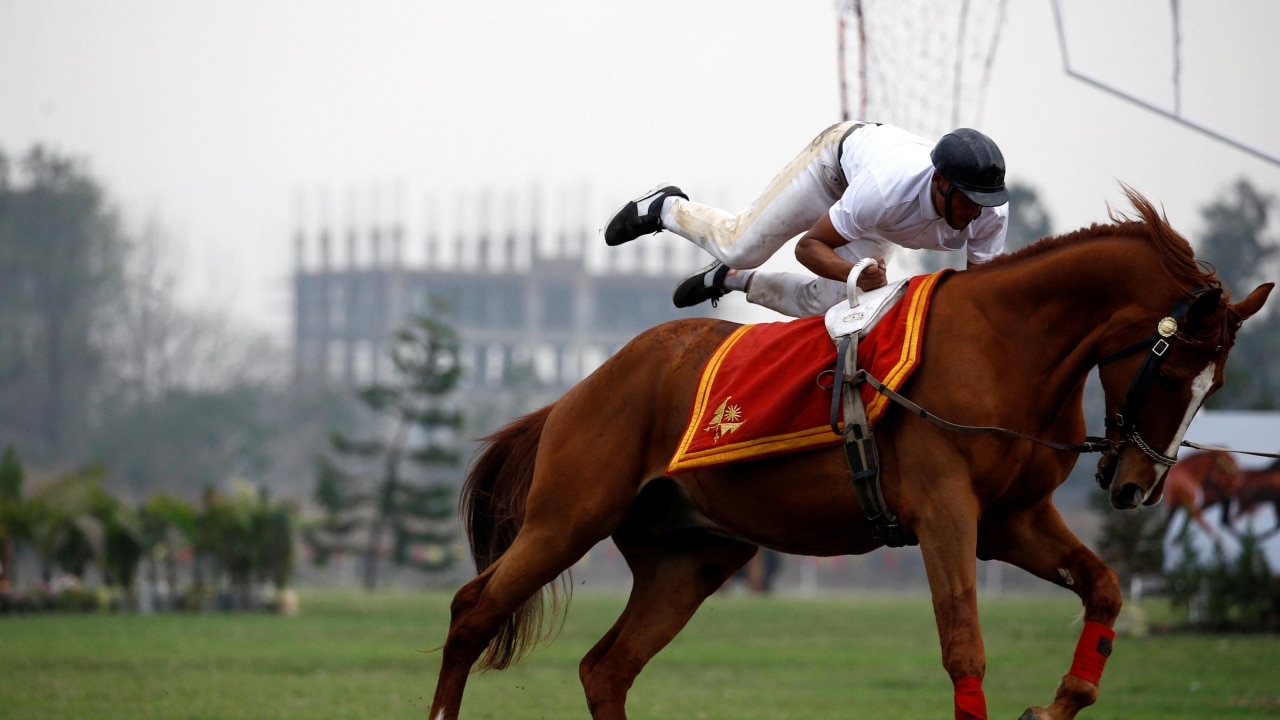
{"points": [[1205, 304], [1247, 307]]}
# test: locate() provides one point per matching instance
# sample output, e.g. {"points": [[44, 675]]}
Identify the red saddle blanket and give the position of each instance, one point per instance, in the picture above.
{"points": [[761, 393]]}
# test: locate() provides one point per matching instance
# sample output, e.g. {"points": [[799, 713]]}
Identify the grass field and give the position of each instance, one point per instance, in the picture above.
{"points": [[349, 655]]}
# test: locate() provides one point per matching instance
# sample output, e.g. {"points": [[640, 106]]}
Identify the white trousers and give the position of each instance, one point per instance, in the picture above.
{"points": [[804, 295], [793, 201]]}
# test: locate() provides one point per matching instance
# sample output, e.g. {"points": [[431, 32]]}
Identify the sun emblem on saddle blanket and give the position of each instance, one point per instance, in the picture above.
{"points": [[726, 419]]}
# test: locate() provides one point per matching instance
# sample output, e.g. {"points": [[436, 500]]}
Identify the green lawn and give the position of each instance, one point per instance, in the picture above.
{"points": [[353, 656]]}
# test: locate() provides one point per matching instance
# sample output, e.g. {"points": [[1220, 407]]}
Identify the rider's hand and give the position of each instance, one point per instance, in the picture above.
{"points": [[873, 277]]}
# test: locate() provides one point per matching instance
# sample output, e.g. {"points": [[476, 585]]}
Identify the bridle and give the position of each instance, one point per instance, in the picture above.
{"points": [[1125, 421], [1157, 345]]}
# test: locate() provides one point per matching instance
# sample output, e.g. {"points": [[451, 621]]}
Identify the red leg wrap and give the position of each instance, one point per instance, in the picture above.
{"points": [[1092, 651], [971, 704]]}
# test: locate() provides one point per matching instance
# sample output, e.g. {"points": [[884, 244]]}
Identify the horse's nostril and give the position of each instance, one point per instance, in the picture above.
{"points": [[1127, 497], [1106, 471]]}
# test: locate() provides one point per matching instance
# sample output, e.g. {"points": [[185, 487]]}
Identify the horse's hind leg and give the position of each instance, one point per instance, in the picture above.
{"points": [[1041, 543], [462, 647], [482, 606], [671, 578]]}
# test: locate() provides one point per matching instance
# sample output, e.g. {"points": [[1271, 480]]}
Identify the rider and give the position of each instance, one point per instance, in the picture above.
{"points": [[859, 189]]}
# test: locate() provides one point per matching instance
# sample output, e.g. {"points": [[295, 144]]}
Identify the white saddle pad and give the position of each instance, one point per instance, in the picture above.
{"points": [[843, 320]]}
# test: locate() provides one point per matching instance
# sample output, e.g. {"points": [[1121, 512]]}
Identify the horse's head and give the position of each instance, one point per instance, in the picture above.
{"points": [[1155, 385]]}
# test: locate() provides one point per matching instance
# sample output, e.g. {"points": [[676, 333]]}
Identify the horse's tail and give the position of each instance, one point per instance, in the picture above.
{"points": [[491, 506]]}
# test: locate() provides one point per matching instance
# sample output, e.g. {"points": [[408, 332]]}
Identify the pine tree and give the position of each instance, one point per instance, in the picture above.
{"points": [[383, 486]]}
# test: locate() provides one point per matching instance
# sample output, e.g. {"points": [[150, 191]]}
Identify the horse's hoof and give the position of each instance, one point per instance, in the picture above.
{"points": [[1032, 713]]}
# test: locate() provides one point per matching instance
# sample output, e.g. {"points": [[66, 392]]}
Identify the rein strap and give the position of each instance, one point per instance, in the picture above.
{"points": [[1091, 444], [1198, 446]]}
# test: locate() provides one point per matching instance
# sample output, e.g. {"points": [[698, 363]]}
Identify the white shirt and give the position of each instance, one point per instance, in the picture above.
{"points": [[889, 170]]}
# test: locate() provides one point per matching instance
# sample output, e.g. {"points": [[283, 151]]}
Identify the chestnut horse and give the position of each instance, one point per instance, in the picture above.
{"points": [[1008, 344], [1255, 488], [1198, 482]]}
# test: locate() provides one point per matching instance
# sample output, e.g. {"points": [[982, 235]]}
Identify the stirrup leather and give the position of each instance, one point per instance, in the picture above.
{"points": [[860, 447]]}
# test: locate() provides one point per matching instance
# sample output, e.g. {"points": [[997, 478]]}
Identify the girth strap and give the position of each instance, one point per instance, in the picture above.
{"points": [[860, 449]]}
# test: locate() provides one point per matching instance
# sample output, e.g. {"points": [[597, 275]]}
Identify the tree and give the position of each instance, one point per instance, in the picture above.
{"points": [[65, 516], [61, 260], [183, 440], [1028, 222], [188, 400], [380, 498], [1130, 541], [1234, 243], [249, 538], [122, 549], [1028, 219], [15, 516], [100, 363], [160, 345], [167, 525], [1222, 594]]}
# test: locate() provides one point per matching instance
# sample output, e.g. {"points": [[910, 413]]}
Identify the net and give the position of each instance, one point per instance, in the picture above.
{"points": [[923, 65]]}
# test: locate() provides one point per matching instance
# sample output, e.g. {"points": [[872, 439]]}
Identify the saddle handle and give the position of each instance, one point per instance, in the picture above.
{"points": [[854, 274]]}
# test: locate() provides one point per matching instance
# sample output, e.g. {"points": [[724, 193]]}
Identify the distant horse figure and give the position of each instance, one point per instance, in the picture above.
{"points": [[1008, 344], [1256, 488], [1198, 482]]}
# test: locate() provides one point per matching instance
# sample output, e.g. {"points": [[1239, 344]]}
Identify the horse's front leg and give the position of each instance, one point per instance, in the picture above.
{"points": [[948, 543], [1039, 542]]}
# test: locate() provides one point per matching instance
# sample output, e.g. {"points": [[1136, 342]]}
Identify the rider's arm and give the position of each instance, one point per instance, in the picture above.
{"points": [[817, 251]]}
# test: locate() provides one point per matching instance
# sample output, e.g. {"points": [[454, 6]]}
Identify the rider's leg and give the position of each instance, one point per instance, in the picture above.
{"points": [[794, 294], [805, 295], [794, 200]]}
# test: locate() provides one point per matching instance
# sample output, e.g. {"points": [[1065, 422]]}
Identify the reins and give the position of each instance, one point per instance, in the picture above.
{"points": [[1255, 453], [1091, 444]]}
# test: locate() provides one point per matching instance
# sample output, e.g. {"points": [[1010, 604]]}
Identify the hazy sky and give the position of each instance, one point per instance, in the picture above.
{"points": [[234, 122]]}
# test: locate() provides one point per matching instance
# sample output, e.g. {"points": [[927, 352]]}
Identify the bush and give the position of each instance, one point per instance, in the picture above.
{"points": [[1236, 595]]}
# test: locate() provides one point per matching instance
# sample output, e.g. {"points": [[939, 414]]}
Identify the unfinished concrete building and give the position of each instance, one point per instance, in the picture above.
{"points": [[527, 299]]}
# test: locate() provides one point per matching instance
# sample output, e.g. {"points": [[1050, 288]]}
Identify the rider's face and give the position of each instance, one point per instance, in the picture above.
{"points": [[963, 210]]}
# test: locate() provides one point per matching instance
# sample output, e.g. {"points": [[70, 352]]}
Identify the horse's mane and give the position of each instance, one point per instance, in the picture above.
{"points": [[1176, 255], [1177, 259]]}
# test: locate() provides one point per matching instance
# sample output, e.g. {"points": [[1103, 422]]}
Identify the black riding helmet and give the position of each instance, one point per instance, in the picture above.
{"points": [[974, 165]]}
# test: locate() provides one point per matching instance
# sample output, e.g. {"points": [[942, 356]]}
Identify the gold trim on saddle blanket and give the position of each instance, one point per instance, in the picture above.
{"points": [[730, 422], [919, 296]]}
